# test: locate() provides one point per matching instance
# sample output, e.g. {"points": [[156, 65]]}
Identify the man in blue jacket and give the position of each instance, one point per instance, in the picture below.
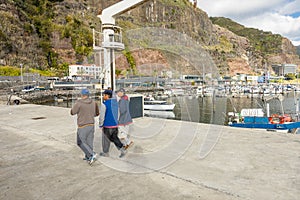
{"points": [[108, 120]]}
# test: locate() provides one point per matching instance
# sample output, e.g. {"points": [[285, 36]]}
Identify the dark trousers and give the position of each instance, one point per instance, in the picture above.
{"points": [[110, 134]]}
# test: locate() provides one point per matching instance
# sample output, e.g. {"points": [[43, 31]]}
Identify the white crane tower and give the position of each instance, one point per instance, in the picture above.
{"points": [[109, 39]]}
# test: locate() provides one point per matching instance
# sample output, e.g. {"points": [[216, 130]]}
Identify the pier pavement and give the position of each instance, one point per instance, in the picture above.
{"points": [[170, 159]]}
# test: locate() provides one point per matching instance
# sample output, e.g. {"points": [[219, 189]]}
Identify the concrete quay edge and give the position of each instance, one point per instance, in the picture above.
{"points": [[170, 160]]}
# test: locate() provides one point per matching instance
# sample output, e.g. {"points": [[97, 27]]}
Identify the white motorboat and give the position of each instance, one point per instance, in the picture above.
{"points": [[160, 114], [158, 105]]}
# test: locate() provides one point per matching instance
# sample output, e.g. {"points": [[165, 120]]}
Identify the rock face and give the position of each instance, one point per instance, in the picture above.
{"points": [[231, 53], [21, 41], [15, 42], [288, 54]]}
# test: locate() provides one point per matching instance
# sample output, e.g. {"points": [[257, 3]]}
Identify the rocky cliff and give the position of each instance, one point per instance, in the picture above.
{"points": [[298, 50], [52, 34], [232, 51]]}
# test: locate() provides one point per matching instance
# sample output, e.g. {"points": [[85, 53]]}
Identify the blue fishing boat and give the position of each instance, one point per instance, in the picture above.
{"points": [[253, 118]]}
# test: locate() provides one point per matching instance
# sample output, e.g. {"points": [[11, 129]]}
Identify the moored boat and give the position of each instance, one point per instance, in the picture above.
{"points": [[253, 118], [158, 105], [160, 114]]}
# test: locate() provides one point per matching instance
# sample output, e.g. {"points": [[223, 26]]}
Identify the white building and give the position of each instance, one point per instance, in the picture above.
{"points": [[84, 72], [283, 69], [251, 79]]}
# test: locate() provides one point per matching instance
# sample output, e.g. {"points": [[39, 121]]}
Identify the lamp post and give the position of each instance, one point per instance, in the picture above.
{"points": [[21, 65]]}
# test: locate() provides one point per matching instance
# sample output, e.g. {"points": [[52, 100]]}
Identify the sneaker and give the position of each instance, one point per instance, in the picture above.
{"points": [[86, 158], [104, 154], [123, 152], [128, 145], [92, 158]]}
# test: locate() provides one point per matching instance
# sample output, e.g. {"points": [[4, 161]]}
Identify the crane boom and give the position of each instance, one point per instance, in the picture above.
{"points": [[110, 39], [108, 14]]}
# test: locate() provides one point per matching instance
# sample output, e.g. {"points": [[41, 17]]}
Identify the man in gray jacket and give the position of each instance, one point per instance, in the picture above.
{"points": [[124, 118], [86, 110]]}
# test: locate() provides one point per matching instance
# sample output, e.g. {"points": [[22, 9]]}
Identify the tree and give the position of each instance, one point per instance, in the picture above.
{"points": [[290, 76]]}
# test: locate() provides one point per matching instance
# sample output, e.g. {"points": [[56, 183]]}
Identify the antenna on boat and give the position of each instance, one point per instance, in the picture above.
{"points": [[234, 108], [281, 98], [297, 109]]}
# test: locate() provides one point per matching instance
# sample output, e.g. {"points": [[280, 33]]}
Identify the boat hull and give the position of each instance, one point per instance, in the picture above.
{"points": [[160, 114], [166, 107], [285, 126]]}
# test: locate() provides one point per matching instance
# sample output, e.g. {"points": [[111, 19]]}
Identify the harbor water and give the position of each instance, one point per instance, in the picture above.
{"points": [[213, 110]]}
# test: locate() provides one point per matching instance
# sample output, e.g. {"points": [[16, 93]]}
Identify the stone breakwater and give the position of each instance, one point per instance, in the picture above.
{"points": [[42, 96]]}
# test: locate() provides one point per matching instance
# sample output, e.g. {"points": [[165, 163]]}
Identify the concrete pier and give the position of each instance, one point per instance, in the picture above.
{"points": [[170, 159]]}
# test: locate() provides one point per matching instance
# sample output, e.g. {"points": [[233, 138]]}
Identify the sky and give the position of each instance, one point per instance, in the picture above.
{"points": [[278, 16]]}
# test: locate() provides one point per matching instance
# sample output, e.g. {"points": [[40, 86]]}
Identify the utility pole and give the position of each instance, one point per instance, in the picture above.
{"points": [[21, 65]]}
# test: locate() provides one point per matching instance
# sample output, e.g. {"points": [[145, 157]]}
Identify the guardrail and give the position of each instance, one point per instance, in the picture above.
{"points": [[72, 84]]}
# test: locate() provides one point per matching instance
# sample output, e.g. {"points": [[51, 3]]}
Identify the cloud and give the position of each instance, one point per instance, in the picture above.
{"points": [[237, 8], [268, 15], [290, 8], [276, 23]]}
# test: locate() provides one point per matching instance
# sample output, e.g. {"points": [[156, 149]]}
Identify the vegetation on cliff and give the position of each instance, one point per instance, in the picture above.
{"points": [[15, 71], [49, 23], [264, 42], [49, 35]]}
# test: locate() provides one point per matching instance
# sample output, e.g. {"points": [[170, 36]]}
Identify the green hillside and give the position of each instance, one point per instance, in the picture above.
{"points": [[48, 35], [40, 26], [262, 41]]}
